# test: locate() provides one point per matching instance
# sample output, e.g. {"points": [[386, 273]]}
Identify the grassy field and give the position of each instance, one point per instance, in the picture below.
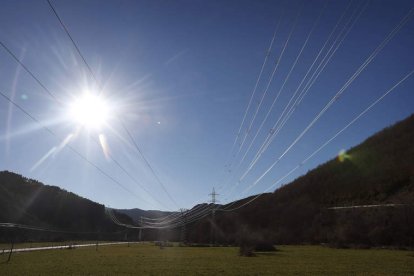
{"points": [[147, 259]]}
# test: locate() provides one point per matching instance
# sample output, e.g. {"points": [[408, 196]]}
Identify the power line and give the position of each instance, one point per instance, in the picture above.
{"points": [[69, 146], [148, 164], [189, 215], [257, 82], [325, 144], [29, 72], [271, 79], [44, 229], [321, 50], [60, 103], [280, 90], [170, 218], [275, 129], [256, 85], [285, 117], [96, 81], [73, 42], [278, 59], [178, 223], [284, 82], [368, 206], [340, 92], [228, 164]]}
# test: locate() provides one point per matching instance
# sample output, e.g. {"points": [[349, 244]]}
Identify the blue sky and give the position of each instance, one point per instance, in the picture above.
{"points": [[180, 75]]}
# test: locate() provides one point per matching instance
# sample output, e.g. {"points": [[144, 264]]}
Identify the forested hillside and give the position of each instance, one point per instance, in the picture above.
{"points": [[378, 171], [29, 202]]}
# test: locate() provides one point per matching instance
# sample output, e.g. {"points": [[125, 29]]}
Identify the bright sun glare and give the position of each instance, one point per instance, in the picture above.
{"points": [[90, 111]]}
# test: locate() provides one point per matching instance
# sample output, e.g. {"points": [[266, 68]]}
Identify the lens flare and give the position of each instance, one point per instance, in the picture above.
{"points": [[104, 145], [342, 156]]}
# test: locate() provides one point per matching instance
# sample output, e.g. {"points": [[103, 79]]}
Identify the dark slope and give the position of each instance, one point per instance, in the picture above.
{"points": [[29, 202], [378, 171]]}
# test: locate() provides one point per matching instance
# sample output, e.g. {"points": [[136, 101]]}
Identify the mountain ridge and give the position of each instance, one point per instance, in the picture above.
{"points": [[380, 170]]}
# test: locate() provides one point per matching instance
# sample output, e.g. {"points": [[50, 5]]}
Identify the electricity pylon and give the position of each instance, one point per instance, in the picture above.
{"points": [[213, 216]]}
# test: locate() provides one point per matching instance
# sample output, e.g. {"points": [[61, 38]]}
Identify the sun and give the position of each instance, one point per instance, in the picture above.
{"points": [[89, 111]]}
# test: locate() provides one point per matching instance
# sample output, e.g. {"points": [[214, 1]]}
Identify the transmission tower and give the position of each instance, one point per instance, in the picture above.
{"points": [[213, 216]]}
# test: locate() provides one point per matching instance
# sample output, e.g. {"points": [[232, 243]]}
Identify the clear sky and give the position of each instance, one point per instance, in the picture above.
{"points": [[180, 75]]}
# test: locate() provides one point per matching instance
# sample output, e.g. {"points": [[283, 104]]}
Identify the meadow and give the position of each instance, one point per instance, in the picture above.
{"points": [[148, 259]]}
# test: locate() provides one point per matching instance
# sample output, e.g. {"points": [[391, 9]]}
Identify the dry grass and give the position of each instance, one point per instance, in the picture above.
{"points": [[147, 259]]}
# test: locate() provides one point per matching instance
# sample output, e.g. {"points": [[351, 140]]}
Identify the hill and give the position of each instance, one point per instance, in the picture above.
{"points": [[29, 202], [378, 171], [136, 213]]}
